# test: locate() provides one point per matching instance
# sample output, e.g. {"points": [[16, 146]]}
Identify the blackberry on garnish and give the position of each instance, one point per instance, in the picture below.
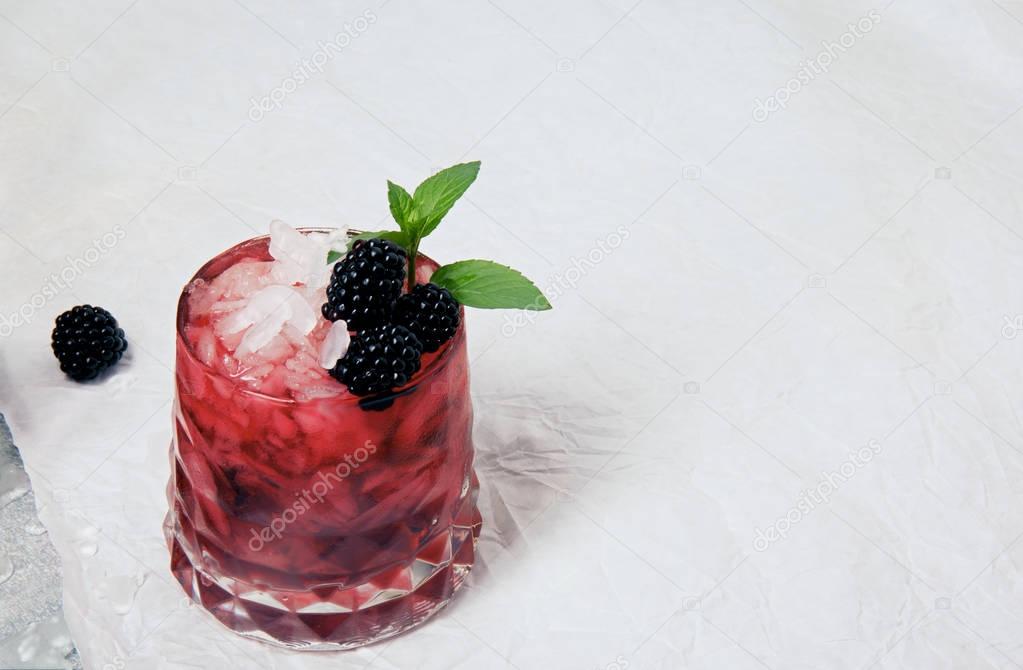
{"points": [[379, 359], [365, 284], [430, 313], [87, 340]]}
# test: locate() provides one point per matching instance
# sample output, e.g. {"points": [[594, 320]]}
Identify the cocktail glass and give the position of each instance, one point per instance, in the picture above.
{"points": [[321, 522]]}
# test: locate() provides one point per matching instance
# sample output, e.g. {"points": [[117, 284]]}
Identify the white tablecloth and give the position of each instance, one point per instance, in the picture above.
{"points": [[774, 418]]}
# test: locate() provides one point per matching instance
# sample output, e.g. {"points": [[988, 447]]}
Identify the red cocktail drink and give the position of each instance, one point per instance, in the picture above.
{"points": [[301, 514]]}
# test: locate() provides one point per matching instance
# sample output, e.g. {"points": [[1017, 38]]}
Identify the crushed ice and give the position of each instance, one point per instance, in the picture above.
{"points": [[298, 272], [265, 325], [266, 313], [299, 258]]}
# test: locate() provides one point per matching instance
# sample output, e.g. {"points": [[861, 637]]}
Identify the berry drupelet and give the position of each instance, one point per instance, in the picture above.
{"points": [[379, 359], [87, 340], [365, 283], [430, 313]]}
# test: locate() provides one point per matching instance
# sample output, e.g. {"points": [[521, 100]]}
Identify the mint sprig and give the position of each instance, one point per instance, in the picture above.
{"points": [[489, 285], [473, 283], [419, 214], [435, 197], [401, 205]]}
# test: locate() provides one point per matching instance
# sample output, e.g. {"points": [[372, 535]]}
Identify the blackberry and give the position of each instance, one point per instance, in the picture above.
{"points": [[365, 284], [87, 340], [379, 359], [430, 313]]}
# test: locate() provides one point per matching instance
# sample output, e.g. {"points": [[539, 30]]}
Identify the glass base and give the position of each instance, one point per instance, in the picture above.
{"points": [[329, 618]]}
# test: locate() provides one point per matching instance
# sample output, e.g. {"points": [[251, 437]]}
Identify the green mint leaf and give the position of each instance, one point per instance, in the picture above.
{"points": [[396, 236], [438, 194], [401, 205], [489, 285], [333, 256]]}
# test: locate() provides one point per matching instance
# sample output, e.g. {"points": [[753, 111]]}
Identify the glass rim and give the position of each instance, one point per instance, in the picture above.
{"points": [[440, 357]]}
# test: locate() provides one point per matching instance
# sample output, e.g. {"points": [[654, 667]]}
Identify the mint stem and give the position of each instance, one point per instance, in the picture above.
{"points": [[413, 251]]}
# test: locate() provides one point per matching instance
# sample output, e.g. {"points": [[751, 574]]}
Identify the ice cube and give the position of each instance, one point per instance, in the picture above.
{"points": [[295, 336], [206, 346], [319, 272], [261, 334], [337, 240], [274, 302], [200, 297], [228, 306], [276, 350], [230, 342], [240, 280], [298, 258], [267, 311], [335, 344]]}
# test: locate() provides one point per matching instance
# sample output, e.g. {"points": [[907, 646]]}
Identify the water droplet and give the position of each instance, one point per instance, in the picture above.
{"points": [[121, 384], [6, 568], [120, 591], [85, 536], [87, 531]]}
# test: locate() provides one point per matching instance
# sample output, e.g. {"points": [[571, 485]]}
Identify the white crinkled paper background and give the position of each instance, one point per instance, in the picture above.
{"points": [[741, 305]]}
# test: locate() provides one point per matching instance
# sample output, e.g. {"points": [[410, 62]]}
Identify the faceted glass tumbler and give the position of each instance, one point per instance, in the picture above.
{"points": [[324, 524]]}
